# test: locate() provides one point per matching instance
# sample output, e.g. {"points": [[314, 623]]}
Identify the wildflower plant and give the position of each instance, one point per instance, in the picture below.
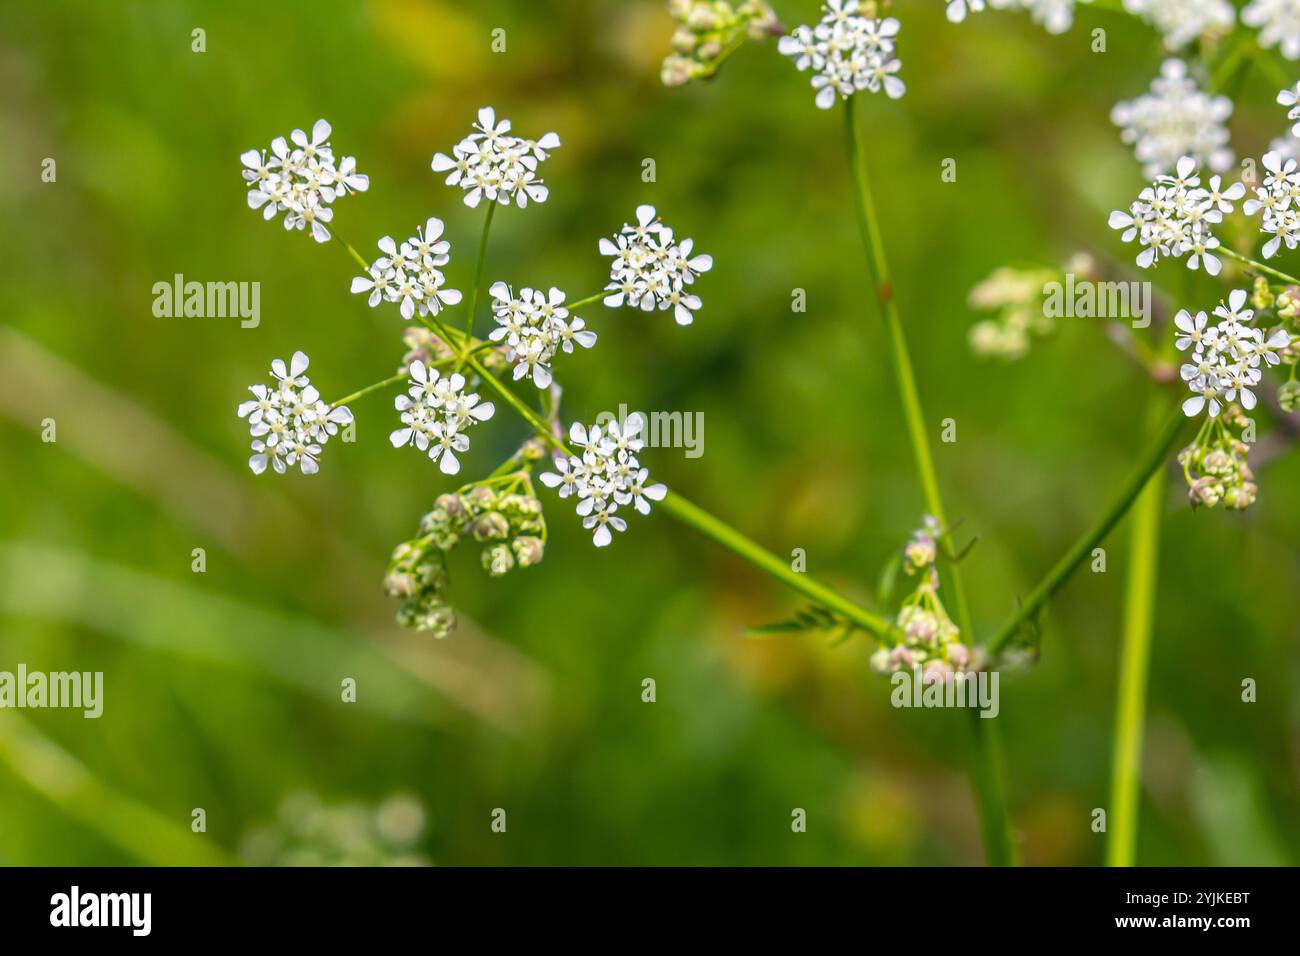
{"points": [[450, 365], [709, 32]]}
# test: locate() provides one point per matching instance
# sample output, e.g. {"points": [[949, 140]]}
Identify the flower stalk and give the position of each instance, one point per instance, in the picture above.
{"points": [[1135, 657], [987, 764], [1079, 552]]}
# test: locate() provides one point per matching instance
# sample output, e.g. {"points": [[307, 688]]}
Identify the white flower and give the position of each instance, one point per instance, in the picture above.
{"points": [[1226, 357], [409, 274], [848, 52], [1278, 199], [1172, 217], [605, 475], [957, 8], [1182, 21], [288, 421], [534, 326], [492, 163], [650, 270], [1278, 22], [436, 412], [301, 181], [1291, 97], [1173, 120]]}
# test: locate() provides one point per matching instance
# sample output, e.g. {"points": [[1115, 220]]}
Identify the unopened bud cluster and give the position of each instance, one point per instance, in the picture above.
{"points": [[1215, 464], [1016, 298], [709, 31], [502, 515], [924, 636]]}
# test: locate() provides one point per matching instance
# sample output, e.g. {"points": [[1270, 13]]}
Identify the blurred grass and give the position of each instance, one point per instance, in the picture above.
{"points": [[222, 688]]}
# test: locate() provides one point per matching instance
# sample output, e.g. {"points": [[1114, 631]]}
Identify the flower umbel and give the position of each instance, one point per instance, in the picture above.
{"points": [[605, 475], [1172, 217], [1175, 119], [436, 415], [847, 52], [1226, 358], [288, 421], [409, 274], [534, 326], [1278, 22], [650, 270], [301, 180], [1278, 199], [492, 163], [1182, 21]]}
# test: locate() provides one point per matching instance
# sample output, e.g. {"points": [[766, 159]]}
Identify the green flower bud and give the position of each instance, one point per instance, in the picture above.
{"points": [[491, 526], [528, 550], [1288, 396], [498, 559]]}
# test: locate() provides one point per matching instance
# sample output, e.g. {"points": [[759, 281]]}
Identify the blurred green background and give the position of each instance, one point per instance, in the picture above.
{"points": [[222, 689]]}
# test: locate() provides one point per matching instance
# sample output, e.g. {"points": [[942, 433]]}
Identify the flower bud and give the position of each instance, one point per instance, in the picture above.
{"points": [[490, 526], [528, 550], [1288, 396], [498, 559]]}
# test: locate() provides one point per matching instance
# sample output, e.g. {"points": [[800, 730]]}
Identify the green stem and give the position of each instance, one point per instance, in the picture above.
{"points": [[360, 260], [1130, 707], [478, 271], [779, 568], [899, 354], [987, 770], [392, 380], [1082, 548], [1260, 267], [711, 527], [587, 301]]}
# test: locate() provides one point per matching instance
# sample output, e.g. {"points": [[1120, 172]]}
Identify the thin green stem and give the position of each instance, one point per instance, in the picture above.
{"points": [[360, 260], [987, 764], [361, 393], [478, 271], [1135, 656], [711, 527], [899, 354], [779, 568], [587, 301], [1260, 267], [1079, 552]]}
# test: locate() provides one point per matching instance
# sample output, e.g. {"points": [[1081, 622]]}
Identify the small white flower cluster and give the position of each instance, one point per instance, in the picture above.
{"points": [[436, 414], [1173, 120], [650, 270], [288, 421], [1226, 357], [1278, 198], [1291, 97], [1172, 217], [1056, 16], [847, 52], [1182, 21], [494, 164], [301, 182], [1278, 22], [409, 273], [534, 326], [605, 475]]}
